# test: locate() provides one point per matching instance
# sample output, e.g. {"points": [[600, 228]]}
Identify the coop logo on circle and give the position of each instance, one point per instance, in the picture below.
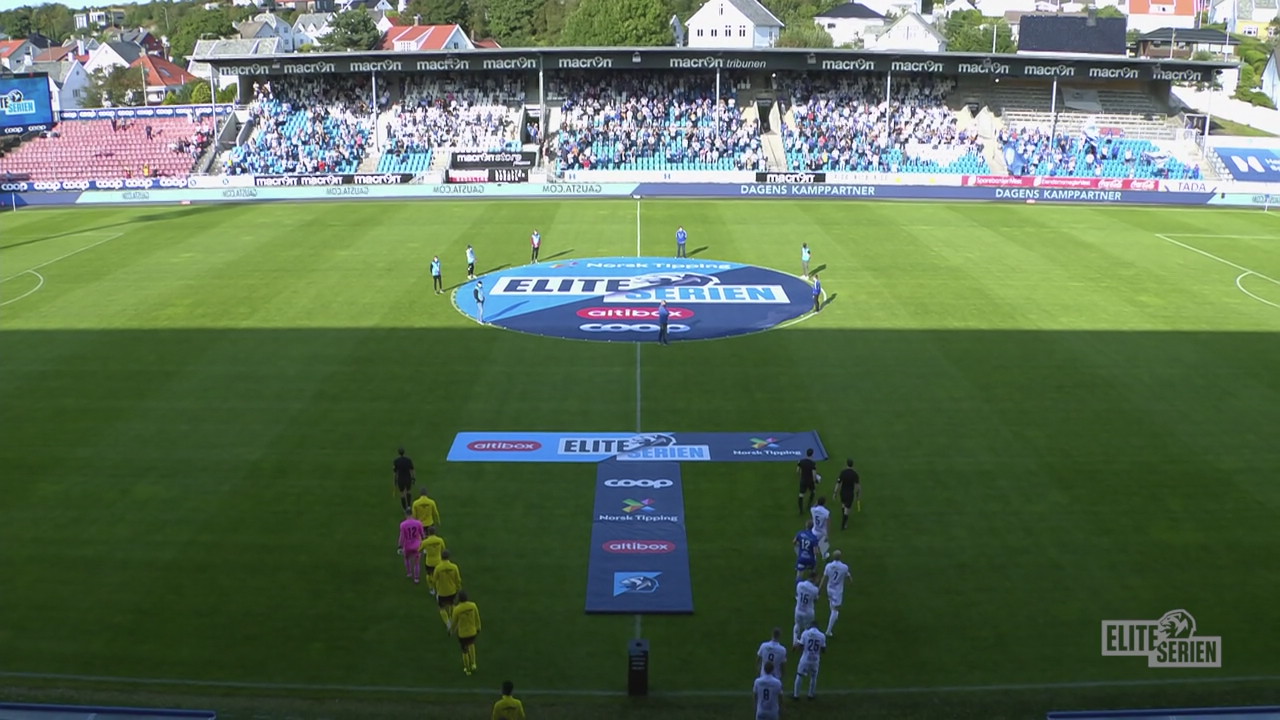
{"points": [[617, 299], [645, 483], [639, 327], [504, 445], [632, 313], [639, 547]]}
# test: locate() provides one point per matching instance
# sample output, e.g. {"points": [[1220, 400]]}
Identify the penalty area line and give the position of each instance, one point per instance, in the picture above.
{"points": [[1245, 272], [47, 263], [403, 689]]}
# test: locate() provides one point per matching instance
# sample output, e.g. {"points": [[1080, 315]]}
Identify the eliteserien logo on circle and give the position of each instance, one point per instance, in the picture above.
{"points": [[617, 299], [1170, 642]]}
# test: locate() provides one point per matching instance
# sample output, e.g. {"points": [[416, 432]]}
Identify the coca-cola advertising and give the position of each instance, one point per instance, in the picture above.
{"points": [[1061, 183]]}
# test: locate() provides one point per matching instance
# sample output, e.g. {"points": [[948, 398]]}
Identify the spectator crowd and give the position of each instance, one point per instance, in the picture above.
{"points": [[1092, 153], [306, 125], [454, 111], [653, 120], [852, 124]]}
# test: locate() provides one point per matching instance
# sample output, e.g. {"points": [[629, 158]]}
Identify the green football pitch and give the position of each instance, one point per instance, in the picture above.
{"points": [[1062, 415]]}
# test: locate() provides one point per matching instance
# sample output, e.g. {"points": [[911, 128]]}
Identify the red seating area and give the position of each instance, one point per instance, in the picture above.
{"points": [[92, 149]]}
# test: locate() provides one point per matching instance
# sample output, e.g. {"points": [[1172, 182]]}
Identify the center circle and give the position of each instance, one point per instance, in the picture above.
{"points": [[616, 299]]}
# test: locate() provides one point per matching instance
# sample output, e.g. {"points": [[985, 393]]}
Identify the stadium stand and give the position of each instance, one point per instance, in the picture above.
{"points": [[306, 125], [438, 113], [847, 124], [103, 149], [1031, 151], [653, 121]]}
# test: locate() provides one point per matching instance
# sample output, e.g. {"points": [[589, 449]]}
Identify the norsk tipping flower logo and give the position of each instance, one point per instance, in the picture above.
{"points": [[1170, 642]]}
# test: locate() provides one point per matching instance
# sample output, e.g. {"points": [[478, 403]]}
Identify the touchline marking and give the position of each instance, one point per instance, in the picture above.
{"points": [[1246, 271], [401, 689], [32, 290], [64, 257]]}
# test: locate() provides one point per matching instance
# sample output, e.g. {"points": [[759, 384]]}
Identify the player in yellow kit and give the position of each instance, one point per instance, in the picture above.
{"points": [[426, 510], [431, 548], [466, 623], [507, 707], [448, 581]]}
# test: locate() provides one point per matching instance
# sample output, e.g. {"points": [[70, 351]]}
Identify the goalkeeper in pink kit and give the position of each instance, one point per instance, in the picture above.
{"points": [[411, 534]]}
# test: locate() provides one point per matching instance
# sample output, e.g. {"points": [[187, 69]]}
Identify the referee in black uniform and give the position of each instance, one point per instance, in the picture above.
{"points": [[402, 470], [807, 469], [849, 488]]}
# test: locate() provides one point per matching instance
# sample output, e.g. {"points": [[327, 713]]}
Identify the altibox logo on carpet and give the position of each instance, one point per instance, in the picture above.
{"points": [[639, 547], [620, 298]]}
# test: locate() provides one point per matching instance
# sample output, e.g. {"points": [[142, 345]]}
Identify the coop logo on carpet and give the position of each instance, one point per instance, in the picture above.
{"points": [[1170, 642], [617, 299], [635, 582]]}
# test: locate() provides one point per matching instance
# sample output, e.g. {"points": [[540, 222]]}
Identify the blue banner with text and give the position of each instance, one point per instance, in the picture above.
{"points": [[635, 447], [639, 560]]}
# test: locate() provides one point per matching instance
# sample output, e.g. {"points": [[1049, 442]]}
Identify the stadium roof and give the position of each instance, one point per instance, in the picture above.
{"points": [[705, 60]]}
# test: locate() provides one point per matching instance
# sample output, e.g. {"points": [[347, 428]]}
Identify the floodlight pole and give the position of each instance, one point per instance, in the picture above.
{"points": [[542, 110], [374, 108], [994, 27], [888, 95], [1053, 111], [717, 105]]}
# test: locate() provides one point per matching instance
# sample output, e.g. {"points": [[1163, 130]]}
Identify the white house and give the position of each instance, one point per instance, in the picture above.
{"points": [[370, 5], [910, 32], [733, 24], [310, 27], [265, 26], [67, 83], [112, 54], [1271, 80], [98, 18], [415, 38], [849, 23]]}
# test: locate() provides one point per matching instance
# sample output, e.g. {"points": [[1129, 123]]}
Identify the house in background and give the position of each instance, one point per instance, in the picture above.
{"points": [[150, 43], [310, 27], [1251, 18], [161, 77], [910, 32], [113, 54], [849, 23], [413, 38], [370, 5], [1182, 44], [733, 24], [15, 54], [268, 25], [305, 6], [98, 18], [1148, 15], [1271, 80], [67, 83]]}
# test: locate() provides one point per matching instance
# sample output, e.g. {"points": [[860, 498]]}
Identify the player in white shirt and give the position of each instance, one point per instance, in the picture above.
{"points": [[772, 652], [768, 693], [834, 576], [812, 644], [806, 600], [821, 521]]}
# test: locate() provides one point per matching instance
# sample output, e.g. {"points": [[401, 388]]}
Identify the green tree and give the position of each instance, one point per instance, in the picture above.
{"points": [[439, 12], [352, 30], [183, 95], [18, 23], [969, 31], [196, 26], [1111, 11], [54, 20], [200, 94], [115, 88], [170, 99], [804, 35], [511, 21], [617, 22], [549, 24], [793, 11], [228, 94]]}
